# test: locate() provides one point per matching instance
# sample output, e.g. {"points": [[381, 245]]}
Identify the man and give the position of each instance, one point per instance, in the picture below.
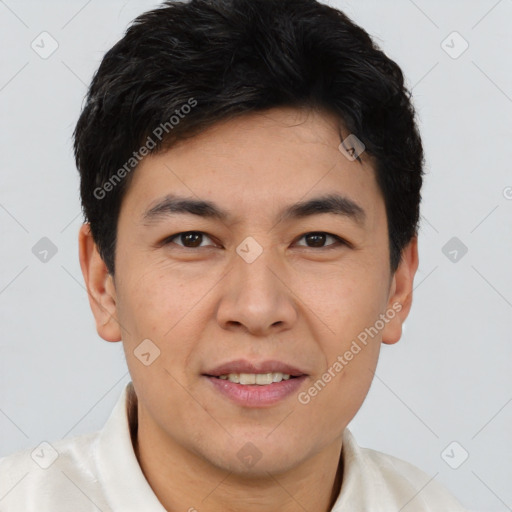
{"points": [[250, 179]]}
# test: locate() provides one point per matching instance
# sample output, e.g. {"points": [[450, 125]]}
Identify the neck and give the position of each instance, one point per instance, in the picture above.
{"points": [[184, 481]]}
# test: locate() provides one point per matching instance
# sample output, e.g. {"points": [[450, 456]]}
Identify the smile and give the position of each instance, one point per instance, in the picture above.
{"points": [[256, 395], [261, 379]]}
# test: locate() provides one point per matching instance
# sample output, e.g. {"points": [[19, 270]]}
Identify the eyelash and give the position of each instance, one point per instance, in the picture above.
{"points": [[338, 240]]}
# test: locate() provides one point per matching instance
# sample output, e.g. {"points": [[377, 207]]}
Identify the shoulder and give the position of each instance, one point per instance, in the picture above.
{"points": [[32, 478], [388, 482], [431, 495]]}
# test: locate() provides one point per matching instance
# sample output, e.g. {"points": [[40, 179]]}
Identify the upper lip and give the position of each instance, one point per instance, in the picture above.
{"points": [[243, 366]]}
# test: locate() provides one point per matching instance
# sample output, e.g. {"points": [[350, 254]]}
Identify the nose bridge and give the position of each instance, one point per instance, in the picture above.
{"points": [[252, 267], [256, 296]]}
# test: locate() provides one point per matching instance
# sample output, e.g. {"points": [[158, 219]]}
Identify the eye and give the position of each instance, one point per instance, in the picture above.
{"points": [[190, 239], [318, 238]]}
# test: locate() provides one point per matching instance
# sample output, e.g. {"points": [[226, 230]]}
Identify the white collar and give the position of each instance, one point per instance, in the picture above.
{"points": [[124, 482], [368, 476]]}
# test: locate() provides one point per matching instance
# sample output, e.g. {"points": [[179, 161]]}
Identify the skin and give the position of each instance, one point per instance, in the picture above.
{"points": [[202, 306]]}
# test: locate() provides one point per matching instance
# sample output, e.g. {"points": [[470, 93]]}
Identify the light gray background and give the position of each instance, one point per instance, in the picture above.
{"points": [[448, 379]]}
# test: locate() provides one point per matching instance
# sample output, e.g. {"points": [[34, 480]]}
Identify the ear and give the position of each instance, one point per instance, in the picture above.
{"points": [[400, 293], [100, 286]]}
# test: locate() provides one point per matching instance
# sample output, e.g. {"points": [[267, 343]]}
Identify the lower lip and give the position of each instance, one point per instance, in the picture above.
{"points": [[250, 395]]}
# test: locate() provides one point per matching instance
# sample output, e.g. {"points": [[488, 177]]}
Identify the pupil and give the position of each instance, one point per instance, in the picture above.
{"points": [[192, 235], [320, 239], [317, 239]]}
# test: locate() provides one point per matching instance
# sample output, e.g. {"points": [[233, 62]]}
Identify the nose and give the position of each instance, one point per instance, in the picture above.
{"points": [[256, 296]]}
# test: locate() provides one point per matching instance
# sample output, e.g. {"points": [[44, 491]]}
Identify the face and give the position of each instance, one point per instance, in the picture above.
{"points": [[248, 285]]}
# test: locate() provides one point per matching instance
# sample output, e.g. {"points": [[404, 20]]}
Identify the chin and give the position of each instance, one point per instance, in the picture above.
{"points": [[256, 457], [258, 469]]}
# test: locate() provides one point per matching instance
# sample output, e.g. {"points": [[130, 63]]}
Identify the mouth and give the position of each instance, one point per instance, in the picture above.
{"points": [[261, 373], [259, 379], [255, 384]]}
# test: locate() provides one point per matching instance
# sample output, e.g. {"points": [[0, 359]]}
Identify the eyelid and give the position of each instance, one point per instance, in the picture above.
{"points": [[170, 239], [339, 240]]}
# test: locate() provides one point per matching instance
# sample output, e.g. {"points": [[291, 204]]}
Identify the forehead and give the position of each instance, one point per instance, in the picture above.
{"points": [[255, 161]]}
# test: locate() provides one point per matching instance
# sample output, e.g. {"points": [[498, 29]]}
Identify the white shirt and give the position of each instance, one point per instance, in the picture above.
{"points": [[100, 472]]}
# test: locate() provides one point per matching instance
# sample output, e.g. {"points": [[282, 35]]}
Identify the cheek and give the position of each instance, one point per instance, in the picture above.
{"points": [[347, 301], [159, 307], [349, 374], [349, 304], [155, 297]]}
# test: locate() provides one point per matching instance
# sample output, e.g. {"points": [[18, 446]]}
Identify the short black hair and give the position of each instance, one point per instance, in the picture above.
{"points": [[185, 66]]}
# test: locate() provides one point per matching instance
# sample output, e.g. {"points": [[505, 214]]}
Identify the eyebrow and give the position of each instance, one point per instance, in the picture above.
{"points": [[335, 204]]}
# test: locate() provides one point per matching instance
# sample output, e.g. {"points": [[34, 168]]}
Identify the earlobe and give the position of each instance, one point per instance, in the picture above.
{"points": [[400, 298], [100, 286]]}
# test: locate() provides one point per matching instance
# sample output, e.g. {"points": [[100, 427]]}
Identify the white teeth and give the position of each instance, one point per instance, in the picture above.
{"points": [[264, 378], [247, 378], [261, 379]]}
